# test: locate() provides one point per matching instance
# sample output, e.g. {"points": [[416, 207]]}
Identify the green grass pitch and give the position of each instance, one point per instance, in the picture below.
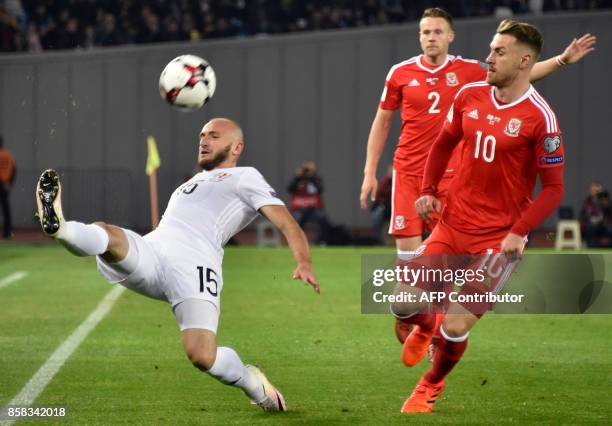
{"points": [[333, 364]]}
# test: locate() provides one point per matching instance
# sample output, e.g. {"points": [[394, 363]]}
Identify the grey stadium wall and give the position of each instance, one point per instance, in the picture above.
{"points": [[299, 96]]}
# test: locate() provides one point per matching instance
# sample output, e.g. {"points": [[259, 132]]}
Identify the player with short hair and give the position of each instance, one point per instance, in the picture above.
{"points": [[509, 135], [181, 261], [424, 87]]}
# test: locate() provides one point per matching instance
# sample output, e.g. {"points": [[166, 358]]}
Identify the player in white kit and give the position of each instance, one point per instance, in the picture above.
{"points": [[180, 261]]}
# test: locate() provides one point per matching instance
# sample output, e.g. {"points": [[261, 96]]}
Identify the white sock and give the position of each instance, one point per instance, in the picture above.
{"points": [[405, 254], [83, 240], [455, 339], [229, 369]]}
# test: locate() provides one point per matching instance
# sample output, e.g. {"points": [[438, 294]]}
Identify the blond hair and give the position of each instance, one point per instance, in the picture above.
{"points": [[524, 33]]}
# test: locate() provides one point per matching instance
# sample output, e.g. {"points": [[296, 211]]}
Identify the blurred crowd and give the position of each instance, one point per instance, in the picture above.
{"points": [[36, 25], [596, 217]]}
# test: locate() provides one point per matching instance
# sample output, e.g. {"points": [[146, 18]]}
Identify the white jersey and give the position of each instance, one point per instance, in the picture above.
{"points": [[213, 206], [182, 259]]}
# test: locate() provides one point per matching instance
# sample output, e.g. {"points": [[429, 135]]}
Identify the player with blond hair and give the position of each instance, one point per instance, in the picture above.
{"points": [[424, 87], [509, 135]]}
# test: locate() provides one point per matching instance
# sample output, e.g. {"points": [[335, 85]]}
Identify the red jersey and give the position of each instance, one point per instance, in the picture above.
{"points": [[503, 148], [425, 94]]}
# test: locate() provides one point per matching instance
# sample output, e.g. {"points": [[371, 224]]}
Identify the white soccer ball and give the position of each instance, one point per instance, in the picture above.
{"points": [[187, 82]]}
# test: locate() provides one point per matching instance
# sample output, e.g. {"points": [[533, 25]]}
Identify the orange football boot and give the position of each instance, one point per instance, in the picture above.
{"points": [[423, 397], [417, 342]]}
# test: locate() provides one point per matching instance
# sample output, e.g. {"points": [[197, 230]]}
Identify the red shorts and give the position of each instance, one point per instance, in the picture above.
{"points": [[405, 222], [447, 240], [448, 248]]}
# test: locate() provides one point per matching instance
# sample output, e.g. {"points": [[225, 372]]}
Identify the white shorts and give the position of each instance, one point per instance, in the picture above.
{"points": [[164, 269], [196, 313]]}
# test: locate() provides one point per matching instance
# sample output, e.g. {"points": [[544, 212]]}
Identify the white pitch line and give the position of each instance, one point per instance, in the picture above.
{"points": [[45, 374], [14, 277]]}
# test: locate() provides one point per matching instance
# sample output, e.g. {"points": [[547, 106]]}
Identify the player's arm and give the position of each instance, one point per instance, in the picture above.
{"points": [[376, 144], [573, 53], [282, 219], [545, 203], [550, 156]]}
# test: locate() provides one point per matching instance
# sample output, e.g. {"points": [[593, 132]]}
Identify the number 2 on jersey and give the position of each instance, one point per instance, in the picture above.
{"points": [[488, 147], [210, 284], [436, 99]]}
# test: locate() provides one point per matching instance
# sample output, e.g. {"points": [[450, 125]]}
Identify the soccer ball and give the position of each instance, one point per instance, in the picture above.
{"points": [[187, 82]]}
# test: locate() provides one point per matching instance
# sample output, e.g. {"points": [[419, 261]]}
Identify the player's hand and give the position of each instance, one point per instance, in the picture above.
{"points": [[512, 247], [426, 205], [368, 189], [578, 49], [305, 273]]}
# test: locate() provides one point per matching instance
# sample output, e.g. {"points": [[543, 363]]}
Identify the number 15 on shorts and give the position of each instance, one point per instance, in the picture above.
{"points": [[208, 281]]}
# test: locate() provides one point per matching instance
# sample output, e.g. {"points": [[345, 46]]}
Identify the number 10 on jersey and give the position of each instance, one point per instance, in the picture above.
{"points": [[488, 147]]}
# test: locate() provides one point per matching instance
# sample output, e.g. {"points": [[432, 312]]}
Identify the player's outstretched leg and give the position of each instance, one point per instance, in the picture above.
{"points": [[447, 354], [225, 365], [274, 400], [80, 239], [453, 342]]}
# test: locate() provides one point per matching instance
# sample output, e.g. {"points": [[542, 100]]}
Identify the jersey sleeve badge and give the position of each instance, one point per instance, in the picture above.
{"points": [[551, 143], [550, 151]]}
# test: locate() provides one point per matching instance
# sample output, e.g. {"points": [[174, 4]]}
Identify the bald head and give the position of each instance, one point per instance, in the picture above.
{"points": [[221, 143], [232, 128]]}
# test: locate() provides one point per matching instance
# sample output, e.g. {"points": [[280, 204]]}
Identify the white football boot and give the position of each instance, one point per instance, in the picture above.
{"points": [[273, 400]]}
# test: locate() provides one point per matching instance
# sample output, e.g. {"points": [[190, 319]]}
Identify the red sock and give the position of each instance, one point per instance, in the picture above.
{"points": [[436, 336], [426, 321], [446, 356]]}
